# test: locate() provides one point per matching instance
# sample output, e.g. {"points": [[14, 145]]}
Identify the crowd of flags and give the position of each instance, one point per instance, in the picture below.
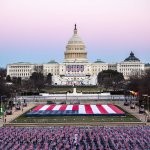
{"points": [[75, 138]]}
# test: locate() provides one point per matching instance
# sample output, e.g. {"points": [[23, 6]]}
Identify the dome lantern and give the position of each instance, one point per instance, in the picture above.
{"points": [[75, 29]]}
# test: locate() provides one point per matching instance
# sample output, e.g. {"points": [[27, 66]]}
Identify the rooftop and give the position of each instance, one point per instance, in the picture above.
{"points": [[147, 65], [52, 62], [99, 61], [23, 63], [132, 58]]}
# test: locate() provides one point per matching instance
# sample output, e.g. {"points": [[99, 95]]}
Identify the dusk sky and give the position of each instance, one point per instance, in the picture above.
{"points": [[37, 31]]}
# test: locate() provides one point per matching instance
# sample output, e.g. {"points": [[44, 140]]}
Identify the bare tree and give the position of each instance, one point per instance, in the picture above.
{"points": [[49, 79], [110, 79], [37, 80]]}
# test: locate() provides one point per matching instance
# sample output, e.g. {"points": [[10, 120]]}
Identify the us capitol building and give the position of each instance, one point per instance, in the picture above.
{"points": [[76, 69]]}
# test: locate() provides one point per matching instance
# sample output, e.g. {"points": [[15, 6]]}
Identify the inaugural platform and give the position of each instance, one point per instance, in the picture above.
{"points": [[68, 110]]}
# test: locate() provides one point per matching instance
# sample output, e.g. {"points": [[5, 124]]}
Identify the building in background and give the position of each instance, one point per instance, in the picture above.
{"points": [[76, 69], [112, 66], [20, 69], [131, 66], [23, 69], [147, 66]]}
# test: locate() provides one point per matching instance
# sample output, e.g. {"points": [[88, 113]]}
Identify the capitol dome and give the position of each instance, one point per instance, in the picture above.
{"points": [[132, 58], [75, 49], [75, 39]]}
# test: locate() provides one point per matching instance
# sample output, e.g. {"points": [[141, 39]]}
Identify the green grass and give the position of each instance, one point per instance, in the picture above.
{"points": [[76, 119]]}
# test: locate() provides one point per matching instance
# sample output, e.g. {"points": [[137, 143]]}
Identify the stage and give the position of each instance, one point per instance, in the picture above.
{"points": [[75, 110]]}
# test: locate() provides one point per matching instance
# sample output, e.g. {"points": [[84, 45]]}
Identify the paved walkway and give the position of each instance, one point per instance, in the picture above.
{"points": [[15, 114], [134, 112]]}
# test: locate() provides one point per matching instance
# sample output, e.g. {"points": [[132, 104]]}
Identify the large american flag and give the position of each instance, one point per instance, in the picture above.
{"points": [[87, 109]]}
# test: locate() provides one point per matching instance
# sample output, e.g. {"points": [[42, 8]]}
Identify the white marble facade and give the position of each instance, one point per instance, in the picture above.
{"points": [[76, 69]]}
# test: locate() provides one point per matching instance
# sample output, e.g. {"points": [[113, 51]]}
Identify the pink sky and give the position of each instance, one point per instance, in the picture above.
{"points": [[108, 27]]}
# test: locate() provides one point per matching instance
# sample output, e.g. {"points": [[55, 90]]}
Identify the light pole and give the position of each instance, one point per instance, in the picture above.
{"points": [[148, 119], [15, 97], [99, 91], [146, 95], [144, 98], [148, 104], [66, 97], [148, 107], [1, 104]]}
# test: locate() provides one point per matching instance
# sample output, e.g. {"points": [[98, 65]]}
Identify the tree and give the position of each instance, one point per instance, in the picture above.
{"points": [[141, 83], [2, 73], [110, 79], [4, 90], [8, 78], [19, 81], [27, 85], [134, 83], [37, 80], [49, 79]]}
